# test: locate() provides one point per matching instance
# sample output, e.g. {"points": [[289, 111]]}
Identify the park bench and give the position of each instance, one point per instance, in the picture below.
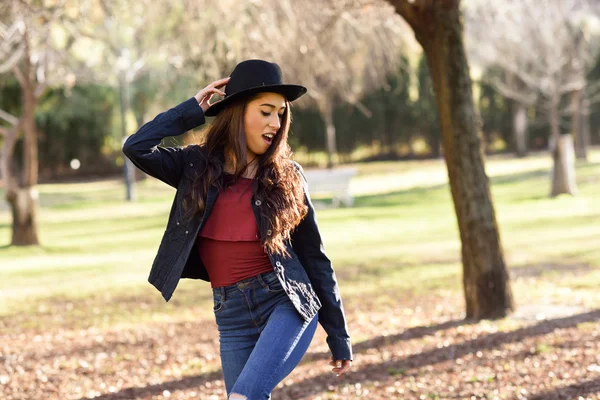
{"points": [[333, 182]]}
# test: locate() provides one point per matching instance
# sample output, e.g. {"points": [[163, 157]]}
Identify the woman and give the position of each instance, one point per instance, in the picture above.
{"points": [[242, 219]]}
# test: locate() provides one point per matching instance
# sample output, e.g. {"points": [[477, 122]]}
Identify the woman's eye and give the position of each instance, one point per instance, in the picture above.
{"points": [[266, 114], [280, 115]]}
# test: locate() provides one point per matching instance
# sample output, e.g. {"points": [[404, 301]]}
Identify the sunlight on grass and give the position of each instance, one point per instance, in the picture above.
{"points": [[387, 176]]}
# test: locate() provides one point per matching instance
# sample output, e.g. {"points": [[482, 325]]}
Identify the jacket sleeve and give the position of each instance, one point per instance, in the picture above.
{"points": [[308, 246], [164, 163]]}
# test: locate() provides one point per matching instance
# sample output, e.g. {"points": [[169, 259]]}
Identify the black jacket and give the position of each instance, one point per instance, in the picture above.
{"points": [[307, 276]]}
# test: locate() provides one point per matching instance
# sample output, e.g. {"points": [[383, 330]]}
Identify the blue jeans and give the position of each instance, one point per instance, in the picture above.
{"points": [[262, 336]]}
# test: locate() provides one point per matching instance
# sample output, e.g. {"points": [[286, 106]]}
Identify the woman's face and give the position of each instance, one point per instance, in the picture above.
{"points": [[262, 121]]}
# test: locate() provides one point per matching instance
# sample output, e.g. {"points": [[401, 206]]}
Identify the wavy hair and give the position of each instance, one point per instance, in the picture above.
{"points": [[279, 184]]}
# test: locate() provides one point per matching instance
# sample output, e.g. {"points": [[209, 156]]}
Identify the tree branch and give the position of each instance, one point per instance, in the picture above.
{"points": [[526, 97], [8, 145], [19, 75], [11, 119], [408, 11]]}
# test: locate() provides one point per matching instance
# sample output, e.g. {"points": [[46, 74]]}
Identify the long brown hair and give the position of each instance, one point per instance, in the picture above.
{"points": [[279, 186]]}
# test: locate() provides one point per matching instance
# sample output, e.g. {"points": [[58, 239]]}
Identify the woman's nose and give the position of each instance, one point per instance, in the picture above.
{"points": [[275, 123]]}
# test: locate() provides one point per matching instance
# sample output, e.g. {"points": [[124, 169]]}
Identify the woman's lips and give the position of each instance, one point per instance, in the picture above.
{"points": [[268, 140]]}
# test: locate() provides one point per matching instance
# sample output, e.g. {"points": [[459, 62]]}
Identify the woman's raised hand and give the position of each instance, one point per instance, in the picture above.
{"points": [[204, 95]]}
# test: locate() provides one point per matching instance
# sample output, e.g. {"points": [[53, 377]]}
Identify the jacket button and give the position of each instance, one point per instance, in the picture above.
{"points": [[258, 202], [269, 232], [177, 222], [278, 264], [186, 232], [191, 165]]}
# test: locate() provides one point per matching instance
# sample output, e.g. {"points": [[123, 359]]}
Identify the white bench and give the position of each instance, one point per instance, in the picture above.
{"points": [[334, 182]]}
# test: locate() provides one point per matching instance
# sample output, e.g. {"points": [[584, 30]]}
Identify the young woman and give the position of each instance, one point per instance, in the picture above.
{"points": [[242, 219]]}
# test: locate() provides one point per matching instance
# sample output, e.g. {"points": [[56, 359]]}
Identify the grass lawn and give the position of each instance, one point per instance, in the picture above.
{"points": [[396, 254]]}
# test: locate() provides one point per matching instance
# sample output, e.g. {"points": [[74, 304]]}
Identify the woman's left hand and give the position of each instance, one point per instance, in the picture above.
{"points": [[340, 366]]}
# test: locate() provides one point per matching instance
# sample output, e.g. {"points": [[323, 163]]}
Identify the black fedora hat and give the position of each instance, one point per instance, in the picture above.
{"points": [[255, 76]]}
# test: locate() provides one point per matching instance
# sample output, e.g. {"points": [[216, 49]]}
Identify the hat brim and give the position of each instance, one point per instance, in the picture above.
{"points": [[290, 92]]}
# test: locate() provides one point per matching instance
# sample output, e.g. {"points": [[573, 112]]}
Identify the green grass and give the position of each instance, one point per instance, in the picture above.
{"points": [[401, 236]]}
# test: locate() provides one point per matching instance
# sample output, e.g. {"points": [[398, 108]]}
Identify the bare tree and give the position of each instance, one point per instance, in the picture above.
{"points": [[338, 49], [129, 38], [341, 50], [438, 28], [545, 50], [582, 98], [30, 54]]}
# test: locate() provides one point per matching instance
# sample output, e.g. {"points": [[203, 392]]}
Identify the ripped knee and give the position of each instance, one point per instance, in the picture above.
{"points": [[236, 396]]}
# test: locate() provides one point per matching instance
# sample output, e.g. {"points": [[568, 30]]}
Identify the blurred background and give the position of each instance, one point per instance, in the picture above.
{"points": [[453, 149]]}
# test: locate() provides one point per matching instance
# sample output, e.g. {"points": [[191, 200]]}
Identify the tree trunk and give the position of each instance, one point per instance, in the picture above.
{"points": [[520, 128], [327, 111], [24, 199], [23, 203], [563, 155], [438, 28], [563, 171], [128, 166], [586, 138], [139, 114], [22, 194], [578, 125], [434, 142], [578, 100]]}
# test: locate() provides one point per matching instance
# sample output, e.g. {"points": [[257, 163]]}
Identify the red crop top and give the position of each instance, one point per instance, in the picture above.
{"points": [[229, 242]]}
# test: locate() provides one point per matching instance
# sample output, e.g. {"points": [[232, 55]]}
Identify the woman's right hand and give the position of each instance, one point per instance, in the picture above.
{"points": [[204, 95]]}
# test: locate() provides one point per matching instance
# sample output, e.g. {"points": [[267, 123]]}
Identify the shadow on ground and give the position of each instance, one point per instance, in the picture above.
{"points": [[577, 390], [375, 372], [313, 386], [381, 341], [171, 386]]}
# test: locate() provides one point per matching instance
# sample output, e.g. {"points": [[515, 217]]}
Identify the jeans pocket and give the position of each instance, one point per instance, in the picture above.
{"points": [[218, 303], [272, 283]]}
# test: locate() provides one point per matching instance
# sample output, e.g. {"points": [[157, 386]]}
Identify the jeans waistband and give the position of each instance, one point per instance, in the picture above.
{"points": [[257, 280]]}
